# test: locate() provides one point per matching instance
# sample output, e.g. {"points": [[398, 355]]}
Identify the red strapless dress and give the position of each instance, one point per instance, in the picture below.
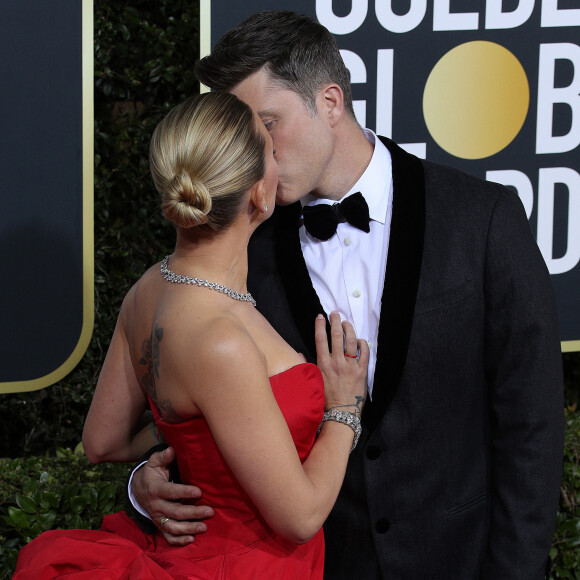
{"points": [[238, 543]]}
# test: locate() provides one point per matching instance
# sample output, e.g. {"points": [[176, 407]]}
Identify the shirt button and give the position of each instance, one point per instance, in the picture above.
{"points": [[356, 293], [347, 241], [382, 526]]}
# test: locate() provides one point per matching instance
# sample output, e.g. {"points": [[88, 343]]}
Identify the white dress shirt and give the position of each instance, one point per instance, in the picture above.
{"points": [[348, 270]]}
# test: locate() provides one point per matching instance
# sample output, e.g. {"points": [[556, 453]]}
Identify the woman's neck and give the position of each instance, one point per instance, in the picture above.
{"points": [[221, 257]]}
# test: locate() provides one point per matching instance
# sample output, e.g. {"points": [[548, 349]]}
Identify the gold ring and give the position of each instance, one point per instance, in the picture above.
{"points": [[164, 520], [351, 355]]}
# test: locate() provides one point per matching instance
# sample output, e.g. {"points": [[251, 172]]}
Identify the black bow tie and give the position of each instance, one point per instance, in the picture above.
{"points": [[321, 220]]}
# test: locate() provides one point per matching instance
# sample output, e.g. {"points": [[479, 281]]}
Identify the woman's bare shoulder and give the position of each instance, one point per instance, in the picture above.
{"points": [[214, 347], [149, 283], [216, 335]]}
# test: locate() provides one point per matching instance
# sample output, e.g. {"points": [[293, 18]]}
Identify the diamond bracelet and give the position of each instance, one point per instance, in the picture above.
{"points": [[345, 417]]}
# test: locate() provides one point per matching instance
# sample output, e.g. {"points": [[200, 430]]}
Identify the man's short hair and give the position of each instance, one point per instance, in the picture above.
{"points": [[298, 52]]}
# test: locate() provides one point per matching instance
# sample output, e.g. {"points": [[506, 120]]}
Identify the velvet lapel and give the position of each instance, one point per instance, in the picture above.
{"points": [[401, 280], [302, 298]]}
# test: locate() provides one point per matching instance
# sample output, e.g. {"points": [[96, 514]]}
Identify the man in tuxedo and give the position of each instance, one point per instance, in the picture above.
{"points": [[458, 469]]}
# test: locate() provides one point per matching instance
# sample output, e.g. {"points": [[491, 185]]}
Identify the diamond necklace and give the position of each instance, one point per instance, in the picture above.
{"points": [[179, 279]]}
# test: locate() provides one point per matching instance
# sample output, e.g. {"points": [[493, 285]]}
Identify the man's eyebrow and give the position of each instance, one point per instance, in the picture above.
{"points": [[267, 113]]}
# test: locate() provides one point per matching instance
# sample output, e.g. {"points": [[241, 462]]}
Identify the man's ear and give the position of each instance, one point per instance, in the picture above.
{"points": [[332, 103]]}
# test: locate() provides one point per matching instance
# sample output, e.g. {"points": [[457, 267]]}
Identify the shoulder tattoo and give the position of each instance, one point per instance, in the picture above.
{"points": [[151, 358]]}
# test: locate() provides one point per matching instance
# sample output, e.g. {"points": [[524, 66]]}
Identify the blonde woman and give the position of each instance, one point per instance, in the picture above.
{"points": [[238, 405]]}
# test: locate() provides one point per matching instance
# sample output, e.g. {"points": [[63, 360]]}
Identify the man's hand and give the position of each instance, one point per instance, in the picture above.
{"points": [[160, 499]]}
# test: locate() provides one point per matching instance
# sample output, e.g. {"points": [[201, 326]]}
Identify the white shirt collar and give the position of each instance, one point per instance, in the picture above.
{"points": [[371, 183]]}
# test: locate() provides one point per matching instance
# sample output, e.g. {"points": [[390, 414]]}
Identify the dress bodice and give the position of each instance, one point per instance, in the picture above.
{"points": [[299, 392]]}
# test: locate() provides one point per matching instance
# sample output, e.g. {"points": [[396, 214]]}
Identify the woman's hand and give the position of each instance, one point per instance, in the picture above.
{"points": [[345, 368]]}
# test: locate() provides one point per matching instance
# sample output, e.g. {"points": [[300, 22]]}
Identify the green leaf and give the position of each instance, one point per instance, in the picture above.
{"points": [[26, 504], [30, 488], [19, 519], [107, 499], [570, 526], [77, 504], [77, 522], [49, 499], [46, 520], [90, 496], [63, 453]]}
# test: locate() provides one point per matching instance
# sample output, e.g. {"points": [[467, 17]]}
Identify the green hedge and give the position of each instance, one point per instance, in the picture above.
{"points": [[50, 492], [565, 551]]}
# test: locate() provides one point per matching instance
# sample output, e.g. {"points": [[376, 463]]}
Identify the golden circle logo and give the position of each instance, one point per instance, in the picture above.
{"points": [[476, 100]]}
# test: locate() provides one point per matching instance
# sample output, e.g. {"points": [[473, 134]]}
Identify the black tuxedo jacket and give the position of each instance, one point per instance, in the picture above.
{"points": [[458, 470]]}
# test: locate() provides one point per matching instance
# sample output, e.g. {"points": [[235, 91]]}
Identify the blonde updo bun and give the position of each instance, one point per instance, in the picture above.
{"points": [[187, 201], [204, 157]]}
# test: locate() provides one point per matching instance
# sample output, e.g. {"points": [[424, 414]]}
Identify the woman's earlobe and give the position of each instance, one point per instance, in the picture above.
{"points": [[258, 194]]}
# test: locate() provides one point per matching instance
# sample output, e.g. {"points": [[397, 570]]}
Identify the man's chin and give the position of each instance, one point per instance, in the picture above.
{"points": [[287, 197]]}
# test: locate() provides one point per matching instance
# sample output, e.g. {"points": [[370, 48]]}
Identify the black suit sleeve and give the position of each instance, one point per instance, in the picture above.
{"points": [[524, 373], [144, 523]]}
